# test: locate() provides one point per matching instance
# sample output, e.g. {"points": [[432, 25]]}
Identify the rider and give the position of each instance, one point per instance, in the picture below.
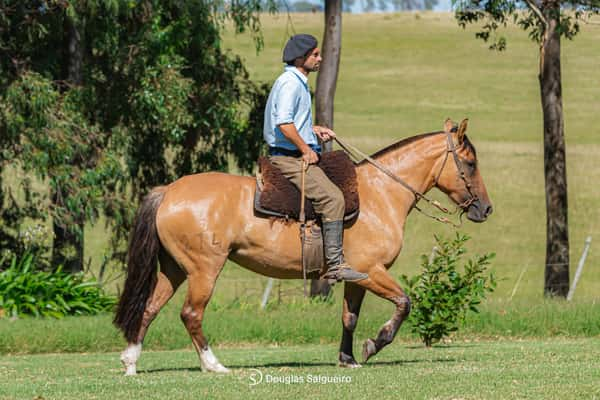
{"points": [[292, 139]]}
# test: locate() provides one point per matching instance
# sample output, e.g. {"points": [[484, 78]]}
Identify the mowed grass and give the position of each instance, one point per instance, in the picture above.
{"points": [[311, 323], [403, 74], [552, 369]]}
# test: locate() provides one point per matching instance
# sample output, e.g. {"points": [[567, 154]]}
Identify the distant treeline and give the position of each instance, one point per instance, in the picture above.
{"points": [[360, 5]]}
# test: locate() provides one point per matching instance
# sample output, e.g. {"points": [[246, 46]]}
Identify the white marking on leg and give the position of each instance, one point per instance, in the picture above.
{"points": [[130, 356], [209, 362]]}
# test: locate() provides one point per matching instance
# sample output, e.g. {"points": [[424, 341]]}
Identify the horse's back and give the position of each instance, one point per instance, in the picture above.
{"points": [[198, 187]]}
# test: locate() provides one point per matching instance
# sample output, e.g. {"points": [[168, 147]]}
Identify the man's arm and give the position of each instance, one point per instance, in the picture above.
{"points": [[291, 133]]}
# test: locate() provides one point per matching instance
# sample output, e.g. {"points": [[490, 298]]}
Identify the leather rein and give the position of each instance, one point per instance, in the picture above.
{"points": [[451, 148]]}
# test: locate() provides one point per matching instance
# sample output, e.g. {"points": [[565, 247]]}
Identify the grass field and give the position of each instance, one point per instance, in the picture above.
{"points": [[549, 369], [227, 325], [403, 74]]}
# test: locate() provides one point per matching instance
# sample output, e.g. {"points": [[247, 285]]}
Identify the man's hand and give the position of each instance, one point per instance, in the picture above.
{"points": [[290, 132], [325, 134], [310, 157]]}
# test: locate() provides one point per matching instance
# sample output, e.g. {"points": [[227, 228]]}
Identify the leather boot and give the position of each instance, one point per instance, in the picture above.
{"points": [[337, 269]]}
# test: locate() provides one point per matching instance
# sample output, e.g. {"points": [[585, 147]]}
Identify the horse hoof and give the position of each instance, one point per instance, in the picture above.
{"points": [[346, 361], [222, 370], [369, 349], [349, 365], [219, 369]]}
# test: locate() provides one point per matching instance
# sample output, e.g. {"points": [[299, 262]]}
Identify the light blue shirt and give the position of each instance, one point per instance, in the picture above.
{"points": [[289, 101]]}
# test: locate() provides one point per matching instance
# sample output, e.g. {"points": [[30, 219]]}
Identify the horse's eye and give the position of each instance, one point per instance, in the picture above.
{"points": [[471, 164]]}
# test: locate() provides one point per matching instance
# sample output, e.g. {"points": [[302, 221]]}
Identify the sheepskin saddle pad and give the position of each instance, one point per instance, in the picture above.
{"points": [[276, 196]]}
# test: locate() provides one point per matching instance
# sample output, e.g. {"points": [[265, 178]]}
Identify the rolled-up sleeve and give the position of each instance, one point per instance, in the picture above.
{"points": [[286, 103]]}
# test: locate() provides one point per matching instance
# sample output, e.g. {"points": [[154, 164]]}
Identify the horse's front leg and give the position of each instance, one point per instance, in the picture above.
{"points": [[353, 297], [381, 283]]}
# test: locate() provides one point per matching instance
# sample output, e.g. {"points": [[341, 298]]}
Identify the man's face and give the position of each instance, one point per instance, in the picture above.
{"points": [[313, 61]]}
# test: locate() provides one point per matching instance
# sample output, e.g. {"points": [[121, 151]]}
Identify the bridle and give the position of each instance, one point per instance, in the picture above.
{"points": [[451, 148], [353, 152]]}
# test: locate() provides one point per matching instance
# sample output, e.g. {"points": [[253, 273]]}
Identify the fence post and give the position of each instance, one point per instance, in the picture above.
{"points": [[433, 254], [265, 297], [514, 291], [586, 247]]}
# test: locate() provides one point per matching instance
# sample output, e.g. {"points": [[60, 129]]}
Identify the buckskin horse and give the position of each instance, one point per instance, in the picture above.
{"points": [[192, 226]]}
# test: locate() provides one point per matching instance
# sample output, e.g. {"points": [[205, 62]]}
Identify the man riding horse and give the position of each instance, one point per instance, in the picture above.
{"points": [[293, 145]]}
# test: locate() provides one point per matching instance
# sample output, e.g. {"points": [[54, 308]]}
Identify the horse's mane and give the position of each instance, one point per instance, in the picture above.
{"points": [[403, 142]]}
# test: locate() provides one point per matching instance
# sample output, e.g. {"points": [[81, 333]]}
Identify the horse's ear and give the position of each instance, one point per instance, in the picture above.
{"points": [[462, 128], [448, 125]]}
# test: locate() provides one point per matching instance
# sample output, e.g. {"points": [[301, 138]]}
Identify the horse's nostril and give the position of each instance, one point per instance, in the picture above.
{"points": [[488, 210]]}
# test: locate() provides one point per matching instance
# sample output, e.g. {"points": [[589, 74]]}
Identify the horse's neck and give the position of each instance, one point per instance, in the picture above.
{"points": [[414, 163]]}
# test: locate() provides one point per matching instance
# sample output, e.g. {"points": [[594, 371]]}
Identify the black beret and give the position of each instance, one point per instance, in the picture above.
{"points": [[298, 46]]}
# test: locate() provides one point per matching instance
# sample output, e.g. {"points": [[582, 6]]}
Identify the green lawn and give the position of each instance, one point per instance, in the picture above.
{"points": [[551, 369], [403, 74], [243, 322]]}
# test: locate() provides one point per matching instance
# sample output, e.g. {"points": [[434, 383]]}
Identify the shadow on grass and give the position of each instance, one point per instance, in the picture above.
{"points": [[296, 364], [442, 346]]}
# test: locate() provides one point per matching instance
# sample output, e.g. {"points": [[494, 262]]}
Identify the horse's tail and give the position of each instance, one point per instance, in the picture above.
{"points": [[142, 257]]}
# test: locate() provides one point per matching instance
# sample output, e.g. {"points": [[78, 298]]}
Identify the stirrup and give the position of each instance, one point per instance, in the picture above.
{"points": [[343, 272]]}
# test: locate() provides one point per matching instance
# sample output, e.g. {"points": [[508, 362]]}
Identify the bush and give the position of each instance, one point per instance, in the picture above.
{"points": [[441, 294], [25, 291]]}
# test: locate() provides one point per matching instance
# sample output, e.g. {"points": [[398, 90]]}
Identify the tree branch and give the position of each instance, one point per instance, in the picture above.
{"points": [[533, 7]]}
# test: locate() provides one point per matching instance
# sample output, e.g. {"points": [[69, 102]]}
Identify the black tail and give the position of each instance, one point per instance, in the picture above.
{"points": [[142, 258]]}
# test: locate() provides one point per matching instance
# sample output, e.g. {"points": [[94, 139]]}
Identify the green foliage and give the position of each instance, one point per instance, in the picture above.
{"points": [[531, 16], [443, 294], [54, 143], [102, 100], [25, 291]]}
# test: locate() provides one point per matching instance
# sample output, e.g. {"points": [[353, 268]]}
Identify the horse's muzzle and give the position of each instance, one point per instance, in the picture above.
{"points": [[478, 211]]}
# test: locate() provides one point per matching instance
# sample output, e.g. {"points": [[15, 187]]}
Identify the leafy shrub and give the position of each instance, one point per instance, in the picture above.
{"points": [[25, 291], [442, 294]]}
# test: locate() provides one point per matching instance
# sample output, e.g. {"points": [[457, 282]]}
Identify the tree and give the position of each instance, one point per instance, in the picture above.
{"points": [[103, 99], [325, 92], [546, 21], [328, 72], [65, 238]]}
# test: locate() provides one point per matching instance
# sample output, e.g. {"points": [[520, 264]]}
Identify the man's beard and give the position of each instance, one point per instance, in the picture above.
{"points": [[314, 68]]}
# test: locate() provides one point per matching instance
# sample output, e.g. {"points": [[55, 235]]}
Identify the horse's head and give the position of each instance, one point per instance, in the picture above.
{"points": [[459, 175]]}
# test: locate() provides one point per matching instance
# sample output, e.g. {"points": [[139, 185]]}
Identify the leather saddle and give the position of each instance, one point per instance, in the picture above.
{"points": [[276, 196]]}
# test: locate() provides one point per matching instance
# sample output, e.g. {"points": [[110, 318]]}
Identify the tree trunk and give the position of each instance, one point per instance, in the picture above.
{"points": [[325, 93], [556, 280], [67, 247], [328, 73]]}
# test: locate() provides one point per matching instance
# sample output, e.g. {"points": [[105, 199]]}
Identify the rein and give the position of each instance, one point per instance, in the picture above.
{"points": [[353, 152]]}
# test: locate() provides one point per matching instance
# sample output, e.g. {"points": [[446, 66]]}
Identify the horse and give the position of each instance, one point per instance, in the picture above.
{"points": [[193, 225]]}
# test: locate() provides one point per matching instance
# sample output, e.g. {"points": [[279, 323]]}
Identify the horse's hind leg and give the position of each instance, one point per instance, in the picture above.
{"points": [[381, 283], [353, 297], [201, 284], [168, 280]]}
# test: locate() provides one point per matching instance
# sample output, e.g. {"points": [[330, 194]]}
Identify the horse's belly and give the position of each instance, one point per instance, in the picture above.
{"points": [[267, 263]]}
